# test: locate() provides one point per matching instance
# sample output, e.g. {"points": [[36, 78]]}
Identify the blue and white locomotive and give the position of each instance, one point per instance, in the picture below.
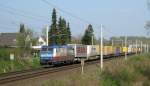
{"points": [[56, 54]]}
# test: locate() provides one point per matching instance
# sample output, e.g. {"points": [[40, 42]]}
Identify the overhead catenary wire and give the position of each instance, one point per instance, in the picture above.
{"points": [[75, 16], [12, 10], [22, 14], [25, 12], [66, 12], [7, 27], [108, 31], [14, 25]]}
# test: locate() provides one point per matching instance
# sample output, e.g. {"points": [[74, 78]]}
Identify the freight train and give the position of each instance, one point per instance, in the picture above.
{"points": [[51, 55]]}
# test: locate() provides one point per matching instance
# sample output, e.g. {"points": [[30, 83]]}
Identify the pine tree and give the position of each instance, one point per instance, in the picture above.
{"points": [[60, 27], [68, 33], [64, 32], [87, 38], [53, 32], [59, 32]]}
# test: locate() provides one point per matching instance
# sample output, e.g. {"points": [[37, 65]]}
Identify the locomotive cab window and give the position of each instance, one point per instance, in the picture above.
{"points": [[50, 49], [44, 49]]}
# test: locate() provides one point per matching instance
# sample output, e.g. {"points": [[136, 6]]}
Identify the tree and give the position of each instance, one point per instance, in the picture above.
{"points": [[68, 33], [22, 28], [148, 4], [53, 32], [24, 41], [59, 32], [60, 28], [44, 32], [87, 38], [147, 25], [76, 40], [63, 32]]}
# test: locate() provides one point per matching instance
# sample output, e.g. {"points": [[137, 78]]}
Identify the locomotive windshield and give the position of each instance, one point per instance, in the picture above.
{"points": [[47, 50], [46, 53], [44, 49]]}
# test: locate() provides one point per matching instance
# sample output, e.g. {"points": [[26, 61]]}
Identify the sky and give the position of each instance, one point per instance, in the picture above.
{"points": [[119, 17]]}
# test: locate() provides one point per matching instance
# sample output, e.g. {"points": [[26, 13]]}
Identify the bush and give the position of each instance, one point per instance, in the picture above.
{"points": [[17, 65], [35, 62], [122, 77], [144, 69], [5, 53], [146, 83], [141, 64], [108, 79], [129, 73], [6, 65]]}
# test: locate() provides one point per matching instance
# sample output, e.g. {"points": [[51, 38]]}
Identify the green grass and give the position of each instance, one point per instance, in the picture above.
{"points": [[17, 65], [5, 53]]}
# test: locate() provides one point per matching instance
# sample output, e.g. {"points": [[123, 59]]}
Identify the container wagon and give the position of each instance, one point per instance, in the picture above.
{"points": [[80, 51], [91, 52]]}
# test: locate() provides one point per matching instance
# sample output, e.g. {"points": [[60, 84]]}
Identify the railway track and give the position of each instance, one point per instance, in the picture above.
{"points": [[20, 75], [36, 73]]}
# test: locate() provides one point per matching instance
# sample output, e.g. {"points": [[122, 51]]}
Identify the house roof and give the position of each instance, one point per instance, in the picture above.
{"points": [[8, 39]]}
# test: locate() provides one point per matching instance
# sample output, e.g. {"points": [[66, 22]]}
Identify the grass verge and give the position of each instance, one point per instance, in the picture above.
{"points": [[17, 65]]}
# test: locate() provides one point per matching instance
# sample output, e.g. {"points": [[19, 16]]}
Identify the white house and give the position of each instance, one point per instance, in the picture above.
{"points": [[41, 42]]}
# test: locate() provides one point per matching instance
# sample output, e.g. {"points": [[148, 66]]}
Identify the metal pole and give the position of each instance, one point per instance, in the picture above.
{"points": [[147, 48], [112, 42], [141, 47], [136, 47], [92, 39], [125, 46], [101, 46], [82, 66], [47, 28], [122, 42]]}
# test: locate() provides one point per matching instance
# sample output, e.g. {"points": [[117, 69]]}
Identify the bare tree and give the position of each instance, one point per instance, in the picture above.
{"points": [[147, 24]]}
